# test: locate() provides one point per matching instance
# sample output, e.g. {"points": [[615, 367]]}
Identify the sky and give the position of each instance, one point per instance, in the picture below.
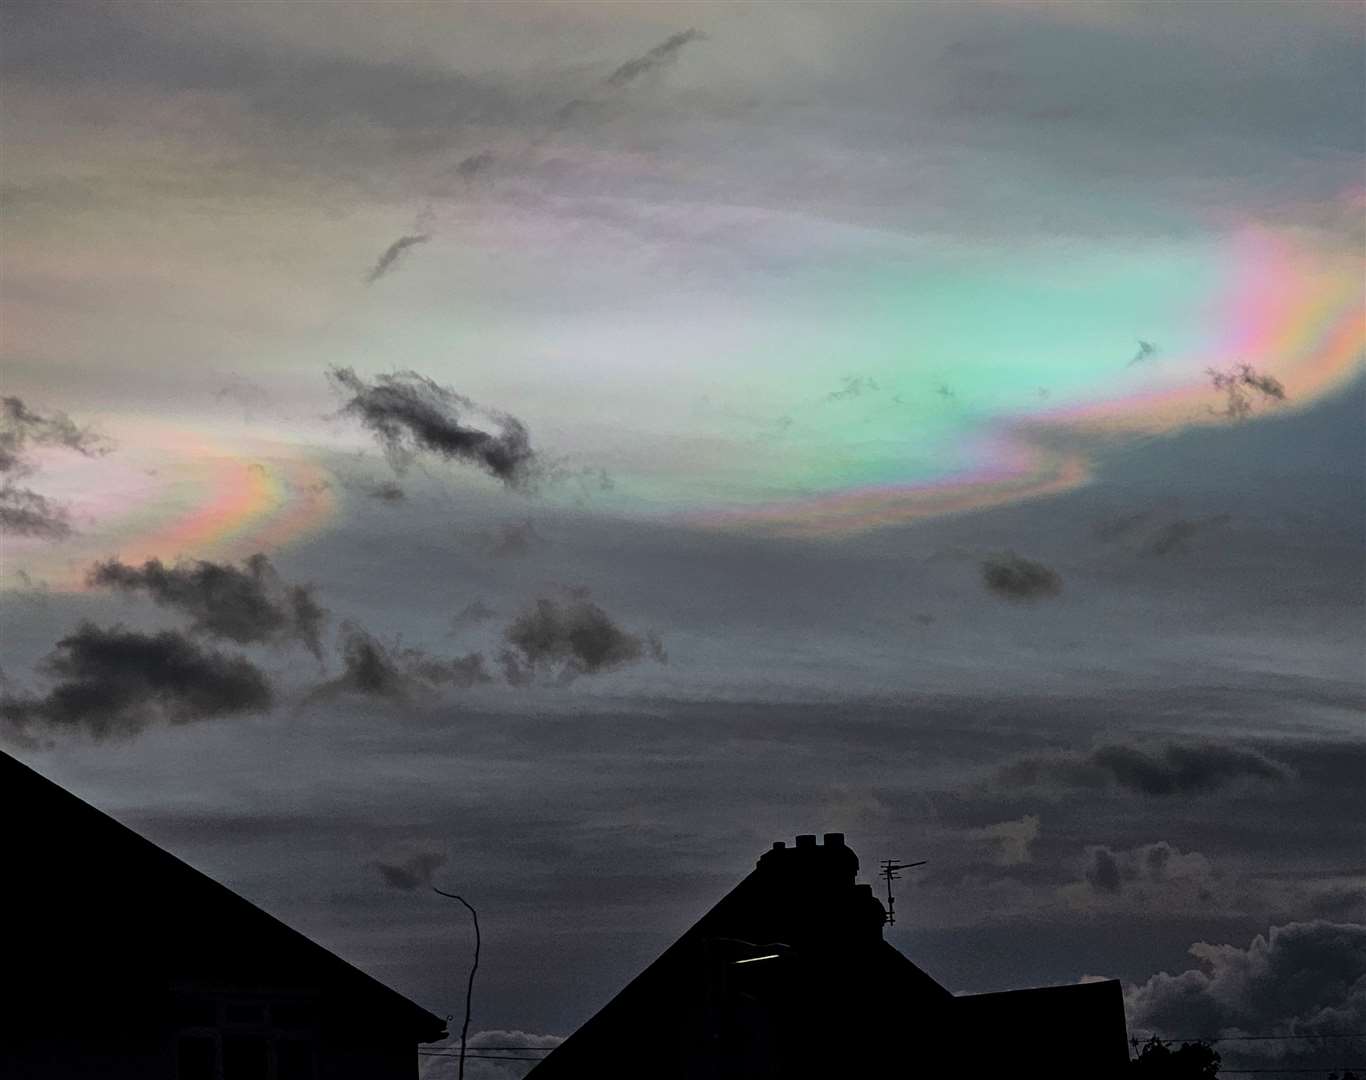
{"points": [[552, 451]]}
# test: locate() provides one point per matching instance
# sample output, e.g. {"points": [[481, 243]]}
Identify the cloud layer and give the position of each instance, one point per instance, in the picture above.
{"points": [[1165, 769]]}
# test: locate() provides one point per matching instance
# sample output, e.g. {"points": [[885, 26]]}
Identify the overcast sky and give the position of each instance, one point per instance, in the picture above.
{"points": [[554, 451]]}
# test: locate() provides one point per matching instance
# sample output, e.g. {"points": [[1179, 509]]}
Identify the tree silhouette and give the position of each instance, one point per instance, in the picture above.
{"points": [[1156, 1060]]}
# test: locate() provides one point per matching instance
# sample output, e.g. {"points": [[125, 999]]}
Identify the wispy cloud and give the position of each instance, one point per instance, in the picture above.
{"points": [[666, 52], [23, 511], [1241, 386], [390, 256]]}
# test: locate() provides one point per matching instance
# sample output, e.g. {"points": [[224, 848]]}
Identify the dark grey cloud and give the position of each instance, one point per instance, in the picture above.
{"points": [[473, 613], [368, 667], [248, 605], [389, 257], [571, 636], [1018, 578], [1173, 768], [475, 165], [1177, 535], [373, 669], [409, 414], [1121, 525], [1242, 385], [1102, 871], [666, 52], [21, 427], [512, 539], [117, 682], [461, 672], [1156, 866], [23, 511], [411, 873], [1163, 531], [387, 492], [1304, 978]]}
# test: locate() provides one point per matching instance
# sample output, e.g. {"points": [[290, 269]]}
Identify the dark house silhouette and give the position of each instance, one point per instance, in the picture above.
{"points": [[789, 977], [119, 960]]}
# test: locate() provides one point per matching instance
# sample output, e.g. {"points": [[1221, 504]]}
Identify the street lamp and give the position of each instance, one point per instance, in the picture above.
{"points": [[469, 989]]}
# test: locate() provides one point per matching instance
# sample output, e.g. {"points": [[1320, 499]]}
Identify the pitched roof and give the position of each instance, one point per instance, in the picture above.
{"points": [[798, 902], [103, 910], [827, 996]]}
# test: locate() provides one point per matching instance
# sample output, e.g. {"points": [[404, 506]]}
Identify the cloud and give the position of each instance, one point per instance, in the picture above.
{"points": [[1187, 768], [1018, 578], [20, 426], [118, 682], [1122, 524], [473, 613], [1110, 873], [513, 539], [1008, 842], [250, 605], [1146, 350], [390, 256], [574, 637], [410, 413], [388, 492], [853, 386], [368, 667], [475, 164], [412, 872], [1239, 384], [1177, 535], [26, 513], [1302, 978], [666, 52], [1162, 537], [23, 511], [461, 672], [373, 669]]}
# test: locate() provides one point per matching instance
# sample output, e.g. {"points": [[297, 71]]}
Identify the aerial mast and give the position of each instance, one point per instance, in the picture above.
{"points": [[889, 874]]}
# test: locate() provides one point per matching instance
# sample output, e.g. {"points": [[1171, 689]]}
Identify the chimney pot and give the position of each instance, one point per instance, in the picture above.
{"points": [[834, 839], [778, 845], [806, 840]]}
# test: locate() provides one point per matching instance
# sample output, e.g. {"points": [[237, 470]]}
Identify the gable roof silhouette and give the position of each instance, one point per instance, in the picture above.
{"points": [[98, 913]]}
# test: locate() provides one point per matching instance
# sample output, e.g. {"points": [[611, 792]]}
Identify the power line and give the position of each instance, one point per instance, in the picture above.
{"points": [[486, 1057], [1172, 1038], [1256, 1038], [1299, 1072]]}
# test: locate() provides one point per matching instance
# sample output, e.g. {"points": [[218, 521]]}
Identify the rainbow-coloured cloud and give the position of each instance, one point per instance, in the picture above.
{"points": [[1280, 300], [171, 492]]}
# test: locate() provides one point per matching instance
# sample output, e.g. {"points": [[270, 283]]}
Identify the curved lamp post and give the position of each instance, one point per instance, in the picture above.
{"points": [[469, 989]]}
